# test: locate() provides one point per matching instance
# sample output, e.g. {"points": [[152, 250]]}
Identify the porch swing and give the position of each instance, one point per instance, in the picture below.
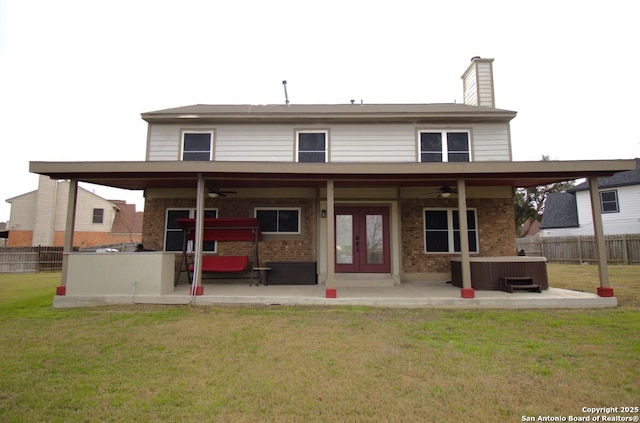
{"points": [[222, 229]]}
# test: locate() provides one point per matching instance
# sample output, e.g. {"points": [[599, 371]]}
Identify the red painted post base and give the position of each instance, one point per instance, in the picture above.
{"points": [[331, 293], [198, 290], [605, 292], [467, 293], [61, 290]]}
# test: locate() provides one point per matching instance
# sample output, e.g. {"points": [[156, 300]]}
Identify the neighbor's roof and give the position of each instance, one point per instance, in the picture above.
{"points": [[629, 177], [560, 211], [329, 113]]}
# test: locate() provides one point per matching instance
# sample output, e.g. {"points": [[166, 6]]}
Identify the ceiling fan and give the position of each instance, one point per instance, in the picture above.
{"points": [[217, 192], [444, 191]]}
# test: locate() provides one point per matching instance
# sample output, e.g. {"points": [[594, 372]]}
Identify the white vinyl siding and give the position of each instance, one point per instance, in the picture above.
{"points": [[470, 90], [485, 84], [372, 143], [490, 142], [263, 143], [395, 143], [624, 222], [164, 143]]}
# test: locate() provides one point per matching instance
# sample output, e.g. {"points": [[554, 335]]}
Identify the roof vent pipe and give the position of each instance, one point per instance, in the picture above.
{"points": [[286, 96]]}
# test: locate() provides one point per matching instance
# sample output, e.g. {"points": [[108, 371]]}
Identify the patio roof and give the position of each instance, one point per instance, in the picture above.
{"points": [[182, 174]]}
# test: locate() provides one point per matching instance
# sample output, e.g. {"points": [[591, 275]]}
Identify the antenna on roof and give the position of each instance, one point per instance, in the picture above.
{"points": [[286, 96]]}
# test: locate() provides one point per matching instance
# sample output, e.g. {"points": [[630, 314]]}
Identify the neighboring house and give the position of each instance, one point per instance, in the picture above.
{"points": [[39, 218], [4, 234], [569, 213], [367, 193]]}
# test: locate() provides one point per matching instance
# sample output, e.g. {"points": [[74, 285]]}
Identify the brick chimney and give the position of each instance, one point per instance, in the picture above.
{"points": [[477, 83]]}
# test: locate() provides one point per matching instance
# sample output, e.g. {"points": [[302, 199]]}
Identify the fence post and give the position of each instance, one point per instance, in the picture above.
{"points": [[580, 255]]}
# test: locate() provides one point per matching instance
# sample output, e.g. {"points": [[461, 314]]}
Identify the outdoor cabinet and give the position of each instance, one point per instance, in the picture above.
{"points": [[291, 273]]}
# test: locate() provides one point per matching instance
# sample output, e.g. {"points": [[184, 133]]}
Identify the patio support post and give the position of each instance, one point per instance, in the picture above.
{"points": [[70, 228], [466, 291], [604, 290], [197, 288], [331, 242]]}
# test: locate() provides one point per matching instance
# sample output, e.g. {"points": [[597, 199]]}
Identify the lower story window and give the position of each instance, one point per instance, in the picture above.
{"points": [[442, 230], [173, 238], [278, 220]]}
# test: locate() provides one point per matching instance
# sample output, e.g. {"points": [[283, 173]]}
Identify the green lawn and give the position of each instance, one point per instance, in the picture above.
{"points": [[327, 364]]}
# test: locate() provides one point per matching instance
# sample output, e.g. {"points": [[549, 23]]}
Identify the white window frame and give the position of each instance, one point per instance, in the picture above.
{"points": [[445, 151], [278, 209], [196, 131], [312, 131], [192, 214], [450, 229], [615, 191]]}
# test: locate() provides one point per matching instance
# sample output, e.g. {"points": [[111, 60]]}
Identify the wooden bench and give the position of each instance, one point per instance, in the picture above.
{"points": [[509, 283]]}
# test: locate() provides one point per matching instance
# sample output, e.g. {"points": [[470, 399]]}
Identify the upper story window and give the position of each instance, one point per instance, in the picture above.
{"points": [[197, 146], [278, 220], [444, 146], [311, 146], [442, 230], [173, 237], [98, 215], [609, 202]]}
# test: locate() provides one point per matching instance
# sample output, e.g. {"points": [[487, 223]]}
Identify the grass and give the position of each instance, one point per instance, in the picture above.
{"points": [[331, 364]]}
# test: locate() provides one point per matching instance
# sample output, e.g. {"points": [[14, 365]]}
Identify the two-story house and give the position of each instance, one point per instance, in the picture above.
{"points": [[38, 218], [371, 194]]}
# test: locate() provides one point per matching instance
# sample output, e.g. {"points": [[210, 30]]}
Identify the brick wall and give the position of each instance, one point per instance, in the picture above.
{"points": [[496, 232], [80, 239], [293, 248], [20, 238]]}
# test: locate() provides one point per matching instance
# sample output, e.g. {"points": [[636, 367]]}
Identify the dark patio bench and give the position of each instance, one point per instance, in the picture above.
{"points": [[509, 283]]}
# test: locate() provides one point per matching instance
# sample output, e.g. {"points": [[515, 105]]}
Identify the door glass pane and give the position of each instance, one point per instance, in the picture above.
{"points": [[344, 239], [374, 239]]}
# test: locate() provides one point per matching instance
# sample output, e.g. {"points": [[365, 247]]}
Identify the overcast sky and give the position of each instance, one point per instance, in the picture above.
{"points": [[75, 75]]}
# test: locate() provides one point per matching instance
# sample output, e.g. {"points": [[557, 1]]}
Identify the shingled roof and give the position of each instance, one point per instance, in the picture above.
{"points": [[329, 112], [629, 177], [560, 211]]}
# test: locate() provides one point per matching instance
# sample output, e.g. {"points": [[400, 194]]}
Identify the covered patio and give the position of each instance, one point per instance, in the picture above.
{"points": [[326, 179]]}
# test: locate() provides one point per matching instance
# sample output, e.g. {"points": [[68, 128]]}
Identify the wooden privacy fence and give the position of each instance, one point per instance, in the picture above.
{"points": [[621, 249], [30, 259], [43, 259]]}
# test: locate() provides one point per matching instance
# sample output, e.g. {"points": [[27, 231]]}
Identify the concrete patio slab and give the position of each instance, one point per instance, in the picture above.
{"points": [[413, 294]]}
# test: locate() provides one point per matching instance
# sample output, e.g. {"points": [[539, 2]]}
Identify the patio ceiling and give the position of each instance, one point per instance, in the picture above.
{"points": [[180, 174]]}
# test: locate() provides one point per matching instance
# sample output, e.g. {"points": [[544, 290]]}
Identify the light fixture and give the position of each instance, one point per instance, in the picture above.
{"points": [[213, 194], [445, 194], [323, 214]]}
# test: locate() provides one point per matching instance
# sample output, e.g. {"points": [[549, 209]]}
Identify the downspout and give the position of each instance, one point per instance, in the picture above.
{"points": [[68, 235], [467, 290], [604, 290], [196, 288]]}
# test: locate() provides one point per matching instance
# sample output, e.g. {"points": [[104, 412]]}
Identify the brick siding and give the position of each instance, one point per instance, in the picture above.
{"points": [[496, 232], [80, 239], [294, 248]]}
